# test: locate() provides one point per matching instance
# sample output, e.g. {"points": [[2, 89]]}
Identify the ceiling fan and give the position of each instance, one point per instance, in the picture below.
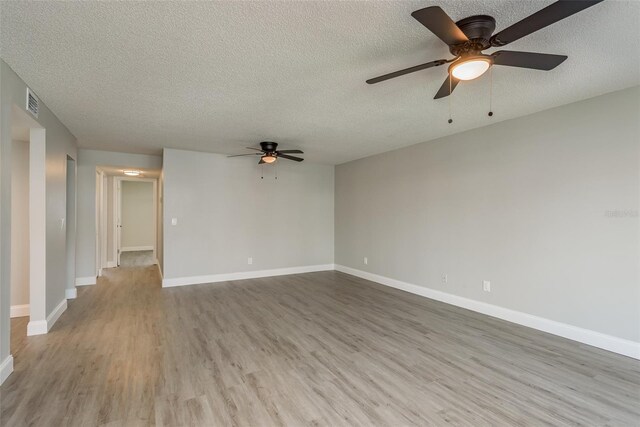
{"points": [[468, 37], [269, 154]]}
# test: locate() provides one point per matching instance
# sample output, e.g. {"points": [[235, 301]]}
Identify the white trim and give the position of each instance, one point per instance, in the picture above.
{"points": [[85, 281], [585, 336], [71, 293], [40, 327], [37, 327], [111, 264], [19, 310], [136, 248], [159, 270], [213, 278], [6, 368]]}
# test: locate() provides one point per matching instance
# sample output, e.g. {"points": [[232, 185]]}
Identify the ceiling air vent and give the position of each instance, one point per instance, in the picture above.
{"points": [[33, 103]]}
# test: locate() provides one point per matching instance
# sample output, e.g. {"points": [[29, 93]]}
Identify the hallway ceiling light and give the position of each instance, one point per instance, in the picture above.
{"points": [[132, 173]]}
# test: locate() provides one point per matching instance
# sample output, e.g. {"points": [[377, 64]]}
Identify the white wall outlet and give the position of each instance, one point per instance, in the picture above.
{"points": [[486, 286], [249, 260], [174, 221], [445, 278], [366, 260]]}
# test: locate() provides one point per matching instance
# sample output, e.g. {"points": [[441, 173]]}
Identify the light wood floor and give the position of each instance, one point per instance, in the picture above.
{"points": [[312, 349]]}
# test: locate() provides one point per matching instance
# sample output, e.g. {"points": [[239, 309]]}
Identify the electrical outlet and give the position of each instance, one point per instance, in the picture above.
{"points": [[445, 278], [249, 260], [174, 221], [486, 286], [366, 261]]}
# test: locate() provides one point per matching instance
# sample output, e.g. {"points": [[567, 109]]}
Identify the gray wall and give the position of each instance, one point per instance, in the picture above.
{"points": [[88, 160], [20, 223], [59, 143], [543, 206], [227, 213], [160, 228]]}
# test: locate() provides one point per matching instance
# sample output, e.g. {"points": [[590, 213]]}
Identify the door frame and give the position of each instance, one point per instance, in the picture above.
{"points": [[101, 221], [117, 214]]}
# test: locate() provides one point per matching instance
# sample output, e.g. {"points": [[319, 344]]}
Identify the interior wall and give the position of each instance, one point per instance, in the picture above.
{"points": [[226, 214], [111, 238], [159, 225], [545, 207], [88, 160], [59, 143], [20, 223], [71, 227], [138, 213]]}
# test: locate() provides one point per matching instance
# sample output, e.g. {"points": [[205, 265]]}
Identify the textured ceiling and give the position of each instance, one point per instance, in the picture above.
{"points": [[217, 76]]}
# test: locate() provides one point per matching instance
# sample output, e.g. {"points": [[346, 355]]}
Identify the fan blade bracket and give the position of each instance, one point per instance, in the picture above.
{"points": [[290, 151]]}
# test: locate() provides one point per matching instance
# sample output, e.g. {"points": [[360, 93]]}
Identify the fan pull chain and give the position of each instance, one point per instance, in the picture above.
{"points": [[450, 119], [490, 91], [276, 170], [261, 171]]}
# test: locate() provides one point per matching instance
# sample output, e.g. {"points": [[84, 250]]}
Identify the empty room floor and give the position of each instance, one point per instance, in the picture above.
{"points": [[311, 349], [136, 258]]}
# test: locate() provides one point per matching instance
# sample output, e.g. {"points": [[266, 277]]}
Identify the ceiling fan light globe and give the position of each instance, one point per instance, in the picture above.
{"points": [[469, 69], [269, 159]]}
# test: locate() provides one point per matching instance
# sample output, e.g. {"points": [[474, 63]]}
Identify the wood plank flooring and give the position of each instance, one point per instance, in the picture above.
{"points": [[310, 349]]}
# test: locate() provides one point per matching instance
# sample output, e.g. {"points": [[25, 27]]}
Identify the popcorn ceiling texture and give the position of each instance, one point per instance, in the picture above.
{"points": [[217, 76]]}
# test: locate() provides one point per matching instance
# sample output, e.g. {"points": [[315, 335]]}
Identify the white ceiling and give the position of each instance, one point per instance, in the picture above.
{"points": [[217, 76]]}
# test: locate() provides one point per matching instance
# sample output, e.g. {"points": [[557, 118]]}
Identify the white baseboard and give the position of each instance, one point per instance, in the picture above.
{"points": [[111, 264], [71, 293], [585, 336], [85, 281], [136, 248], [19, 310], [39, 327], [213, 278], [6, 368]]}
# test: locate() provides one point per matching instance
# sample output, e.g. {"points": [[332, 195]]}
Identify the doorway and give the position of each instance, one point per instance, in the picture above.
{"points": [[27, 291], [135, 221], [127, 212]]}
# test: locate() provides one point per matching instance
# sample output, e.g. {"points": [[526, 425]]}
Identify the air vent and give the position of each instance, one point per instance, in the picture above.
{"points": [[33, 103]]}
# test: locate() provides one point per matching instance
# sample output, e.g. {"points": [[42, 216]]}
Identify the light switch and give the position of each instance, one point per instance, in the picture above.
{"points": [[174, 221]]}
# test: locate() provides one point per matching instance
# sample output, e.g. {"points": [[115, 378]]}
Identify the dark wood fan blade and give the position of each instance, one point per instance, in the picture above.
{"points": [[542, 18], [290, 151], [284, 156], [440, 24], [406, 71], [261, 161], [240, 155], [537, 61], [444, 89], [253, 148]]}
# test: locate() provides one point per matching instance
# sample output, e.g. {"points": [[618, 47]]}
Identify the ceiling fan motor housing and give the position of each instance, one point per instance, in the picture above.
{"points": [[268, 146], [478, 29]]}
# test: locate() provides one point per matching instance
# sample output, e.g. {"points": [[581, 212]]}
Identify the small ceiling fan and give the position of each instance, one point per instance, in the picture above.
{"points": [[269, 154], [468, 37]]}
